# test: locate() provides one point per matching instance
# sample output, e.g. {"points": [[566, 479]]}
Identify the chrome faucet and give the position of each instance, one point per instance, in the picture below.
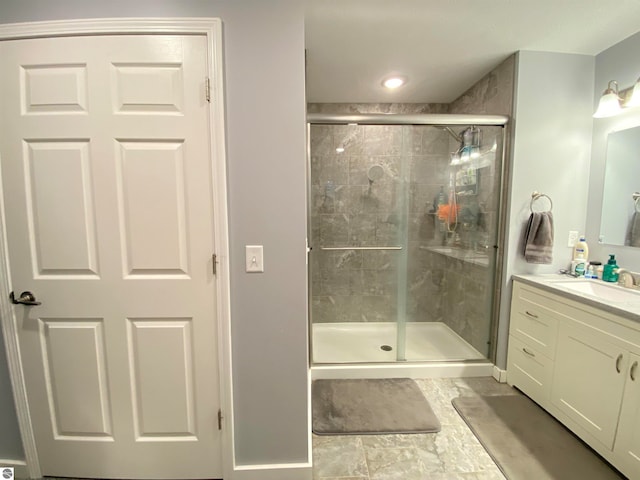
{"points": [[626, 278]]}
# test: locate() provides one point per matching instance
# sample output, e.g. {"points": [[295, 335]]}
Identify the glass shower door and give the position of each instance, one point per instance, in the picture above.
{"points": [[453, 216], [358, 233], [402, 231]]}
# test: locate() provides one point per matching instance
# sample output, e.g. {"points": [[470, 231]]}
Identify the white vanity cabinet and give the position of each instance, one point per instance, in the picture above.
{"points": [[581, 364]]}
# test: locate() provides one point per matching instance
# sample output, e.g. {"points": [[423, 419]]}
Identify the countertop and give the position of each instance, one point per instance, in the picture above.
{"points": [[560, 285]]}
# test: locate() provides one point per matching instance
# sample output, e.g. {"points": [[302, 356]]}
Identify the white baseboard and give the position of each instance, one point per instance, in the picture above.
{"points": [[19, 467], [287, 471], [402, 370], [499, 374], [294, 471]]}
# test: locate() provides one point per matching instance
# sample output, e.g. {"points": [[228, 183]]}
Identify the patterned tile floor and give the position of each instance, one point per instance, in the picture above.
{"points": [[454, 453]]}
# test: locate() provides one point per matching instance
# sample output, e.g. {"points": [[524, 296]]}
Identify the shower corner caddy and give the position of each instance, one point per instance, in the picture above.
{"points": [[466, 182]]}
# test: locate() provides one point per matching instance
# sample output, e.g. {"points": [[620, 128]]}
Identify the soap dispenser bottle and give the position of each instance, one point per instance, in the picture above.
{"points": [[610, 271]]}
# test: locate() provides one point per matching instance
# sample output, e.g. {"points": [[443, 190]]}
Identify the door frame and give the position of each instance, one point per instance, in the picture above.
{"points": [[211, 28]]}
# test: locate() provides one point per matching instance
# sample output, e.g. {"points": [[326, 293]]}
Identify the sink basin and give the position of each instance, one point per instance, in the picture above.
{"points": [[600, 290]]}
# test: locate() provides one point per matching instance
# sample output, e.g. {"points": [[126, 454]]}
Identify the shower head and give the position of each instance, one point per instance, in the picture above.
{"points": [[471, 136], [375, 172]]}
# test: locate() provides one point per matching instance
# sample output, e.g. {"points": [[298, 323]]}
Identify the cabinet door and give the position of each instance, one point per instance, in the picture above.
{"points": [[628, 439], [589, 380]]}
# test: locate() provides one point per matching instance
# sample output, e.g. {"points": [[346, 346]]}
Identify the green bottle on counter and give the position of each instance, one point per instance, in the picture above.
{"points": [[610, 270]]}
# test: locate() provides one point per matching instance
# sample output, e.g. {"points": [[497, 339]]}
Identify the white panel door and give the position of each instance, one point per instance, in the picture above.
{"points": [[107, 186]]}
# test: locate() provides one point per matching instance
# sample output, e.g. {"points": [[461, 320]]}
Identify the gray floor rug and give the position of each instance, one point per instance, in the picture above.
{"points": [[528, 443], [371, 406]]}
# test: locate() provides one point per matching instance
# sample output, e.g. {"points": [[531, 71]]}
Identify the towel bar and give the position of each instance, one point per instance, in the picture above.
{"points": [[537, 195]]}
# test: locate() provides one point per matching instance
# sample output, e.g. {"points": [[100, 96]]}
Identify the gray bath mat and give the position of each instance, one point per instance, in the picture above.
{"points": [[370, 406], [527, 442]]}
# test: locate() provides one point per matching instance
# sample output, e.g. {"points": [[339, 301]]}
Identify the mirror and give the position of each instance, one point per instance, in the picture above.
{"points": [[620, 222]]}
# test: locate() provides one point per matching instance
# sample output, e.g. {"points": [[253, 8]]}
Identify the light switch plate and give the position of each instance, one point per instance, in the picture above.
{"points": [[254, 258], [573, 238]]}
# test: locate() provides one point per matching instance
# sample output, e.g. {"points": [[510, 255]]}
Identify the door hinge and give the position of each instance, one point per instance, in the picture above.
{"points": [[214, 263], [219, 419], [207, 89]]}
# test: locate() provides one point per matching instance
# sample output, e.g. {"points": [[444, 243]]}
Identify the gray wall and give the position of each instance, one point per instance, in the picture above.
{"points": [[265, 114], [551, 153], [620, 63]]}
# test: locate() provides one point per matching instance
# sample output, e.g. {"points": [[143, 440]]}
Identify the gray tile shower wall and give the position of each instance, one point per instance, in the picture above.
{"points": [[354, 108], [492, 94]]}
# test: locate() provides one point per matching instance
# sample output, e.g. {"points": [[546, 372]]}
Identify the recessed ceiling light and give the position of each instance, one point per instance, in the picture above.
{"points": [[339, 149], [394, 82]]}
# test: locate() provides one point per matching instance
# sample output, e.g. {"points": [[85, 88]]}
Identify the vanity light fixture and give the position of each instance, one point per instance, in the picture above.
{"points": [[613, 101], [634, 101], [394, 82], [609, 104]]}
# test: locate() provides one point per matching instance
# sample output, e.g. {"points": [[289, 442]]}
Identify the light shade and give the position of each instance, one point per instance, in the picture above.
{"points": [[609, 102], [634, 101]]}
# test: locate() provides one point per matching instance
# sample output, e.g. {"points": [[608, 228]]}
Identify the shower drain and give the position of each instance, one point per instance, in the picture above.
{"points": [[386, 348]]}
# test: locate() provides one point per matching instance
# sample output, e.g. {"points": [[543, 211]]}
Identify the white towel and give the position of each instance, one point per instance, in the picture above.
{"points": [[538, 239]]}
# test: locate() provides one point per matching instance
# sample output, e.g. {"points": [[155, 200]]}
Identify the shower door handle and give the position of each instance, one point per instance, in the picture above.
{"points": [[393, 247]]}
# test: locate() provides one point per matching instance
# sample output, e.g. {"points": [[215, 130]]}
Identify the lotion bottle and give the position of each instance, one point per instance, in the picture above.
{"points": [[581, 250], [580, 255]]}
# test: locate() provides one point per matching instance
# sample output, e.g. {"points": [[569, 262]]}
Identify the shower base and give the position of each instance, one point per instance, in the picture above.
{"points": [[358, 350]]}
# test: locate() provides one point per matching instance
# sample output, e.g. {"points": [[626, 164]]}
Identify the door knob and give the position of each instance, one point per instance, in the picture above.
{"points": [[25, 298]]}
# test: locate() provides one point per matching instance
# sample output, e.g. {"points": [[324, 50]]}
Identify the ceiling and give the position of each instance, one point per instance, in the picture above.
{"points": [[444, 46]]}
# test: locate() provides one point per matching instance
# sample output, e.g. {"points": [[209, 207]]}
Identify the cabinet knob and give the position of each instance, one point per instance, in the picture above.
{"points": [[632, 370], [618, 360]]}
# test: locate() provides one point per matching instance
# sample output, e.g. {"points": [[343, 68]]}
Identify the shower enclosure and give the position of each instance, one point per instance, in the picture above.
{"points": [[404, 214]]}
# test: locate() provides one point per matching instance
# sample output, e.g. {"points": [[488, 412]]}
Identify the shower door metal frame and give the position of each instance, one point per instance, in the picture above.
{"points": [[435, 120]]}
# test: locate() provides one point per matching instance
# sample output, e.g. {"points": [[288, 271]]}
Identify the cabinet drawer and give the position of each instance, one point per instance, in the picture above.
{"points": [[535, 325], [529, 370]]}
